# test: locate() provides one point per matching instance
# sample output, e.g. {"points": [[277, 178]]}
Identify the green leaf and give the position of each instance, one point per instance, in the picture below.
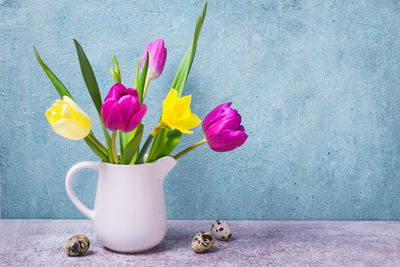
{"points": [[132, 147], [93, 88], [133, 160], [170, 143], [135, 85], [186, 63], [130, 135], [61, 89], [95, 149], [156, 145], [88, 76], [118, 73], [142, 79], [115, 76]]}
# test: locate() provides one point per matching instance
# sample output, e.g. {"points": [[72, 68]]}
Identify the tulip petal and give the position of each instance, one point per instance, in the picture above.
{"points": [[115, 91], [128, 91], [214, 114], [129, 106], [227, 140], [120, 105], [135, 120], [78, 113], [51, 118], [230, 122], [71, 129], [111, 115], [157, 56]]}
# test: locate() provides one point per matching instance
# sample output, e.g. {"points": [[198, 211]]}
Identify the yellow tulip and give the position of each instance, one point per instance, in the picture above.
{"points": [[68, 119], [177, 114]]}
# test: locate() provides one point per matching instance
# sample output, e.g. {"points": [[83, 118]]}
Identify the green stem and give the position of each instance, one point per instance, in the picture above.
{"points": [[180, 154], [97, 143], [113, 147], [157, 129], [108, 140], [146, 84], [142, 152], [122, 141]]}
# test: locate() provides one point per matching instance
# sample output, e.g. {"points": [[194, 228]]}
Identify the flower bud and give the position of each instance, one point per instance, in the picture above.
{"points": [[157, 56], [121, 109], [222, 128], [68, 119]]}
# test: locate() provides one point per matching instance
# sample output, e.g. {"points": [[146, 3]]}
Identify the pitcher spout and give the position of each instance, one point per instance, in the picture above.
{"points": [[164, 165]]}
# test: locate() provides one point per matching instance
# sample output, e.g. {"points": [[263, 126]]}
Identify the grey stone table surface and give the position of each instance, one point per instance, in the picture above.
{"points": [[254, 243]]}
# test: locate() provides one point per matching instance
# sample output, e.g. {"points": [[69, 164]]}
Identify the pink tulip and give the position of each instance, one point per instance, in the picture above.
{"points": [[222, 128], [157, 57], [121, 109]]}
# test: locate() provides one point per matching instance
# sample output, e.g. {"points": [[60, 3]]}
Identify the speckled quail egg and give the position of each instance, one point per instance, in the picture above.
{"points": [[202, 242], [221, 230], [77, 245]]}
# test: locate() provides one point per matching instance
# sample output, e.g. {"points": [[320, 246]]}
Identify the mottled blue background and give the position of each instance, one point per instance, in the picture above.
{"points": [[317, 84]]}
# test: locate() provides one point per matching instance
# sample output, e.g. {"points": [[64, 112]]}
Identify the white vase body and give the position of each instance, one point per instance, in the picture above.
{"points": [[129, 213]]}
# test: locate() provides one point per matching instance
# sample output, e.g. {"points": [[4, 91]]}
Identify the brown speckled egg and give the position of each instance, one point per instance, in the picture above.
{"points": [[202, 242], [221, 230], [77, 245]]}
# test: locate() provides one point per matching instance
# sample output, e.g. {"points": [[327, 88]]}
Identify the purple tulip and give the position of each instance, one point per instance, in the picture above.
{"points": [[121, 110], [157, 57], [222, 128]]}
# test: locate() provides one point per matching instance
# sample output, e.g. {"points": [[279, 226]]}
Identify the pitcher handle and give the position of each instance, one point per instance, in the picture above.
{"points": [[70, 192]]}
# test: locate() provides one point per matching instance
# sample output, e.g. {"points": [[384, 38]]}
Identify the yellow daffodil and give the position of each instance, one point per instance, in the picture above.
{"points": [[176, 113], [68, 119]]}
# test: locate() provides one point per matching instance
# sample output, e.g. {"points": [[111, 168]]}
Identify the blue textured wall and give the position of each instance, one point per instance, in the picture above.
{"points": [[317, 84]]}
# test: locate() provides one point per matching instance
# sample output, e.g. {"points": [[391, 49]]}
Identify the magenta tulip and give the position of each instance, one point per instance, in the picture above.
{"points": [[222, 128], [121, 110], [157, 57]]}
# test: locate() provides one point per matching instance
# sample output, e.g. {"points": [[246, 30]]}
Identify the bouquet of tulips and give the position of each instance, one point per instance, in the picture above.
{"points": [[123, 109]]}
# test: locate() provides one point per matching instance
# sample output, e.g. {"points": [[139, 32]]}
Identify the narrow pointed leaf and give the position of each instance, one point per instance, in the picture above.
{"points": [[142, 79], [117, 71], [88, 76], [115, 76], [186, 63], [93, 88], [61, 89], [135, 85]]}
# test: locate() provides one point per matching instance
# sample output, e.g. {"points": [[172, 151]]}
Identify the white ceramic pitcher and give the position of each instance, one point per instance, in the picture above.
{"points": [[129, 212]]}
